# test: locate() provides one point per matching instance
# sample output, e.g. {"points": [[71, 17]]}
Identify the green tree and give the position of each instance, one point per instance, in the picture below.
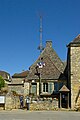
{"points": [[2, 82]]}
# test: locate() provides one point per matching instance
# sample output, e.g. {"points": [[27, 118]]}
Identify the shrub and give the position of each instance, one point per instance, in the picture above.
{"points": [[2, 82]]}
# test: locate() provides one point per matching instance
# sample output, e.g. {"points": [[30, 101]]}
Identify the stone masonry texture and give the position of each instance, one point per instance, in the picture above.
{"points": [[75, 75]]}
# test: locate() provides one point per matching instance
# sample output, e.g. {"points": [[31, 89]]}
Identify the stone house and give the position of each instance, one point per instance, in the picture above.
{"points": [[48, 79], [17, 83]]}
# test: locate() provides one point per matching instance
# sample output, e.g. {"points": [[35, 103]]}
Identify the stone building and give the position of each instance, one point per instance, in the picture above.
{"points": [[47, 75], [51, 76], [73, 71], [17, 83]]}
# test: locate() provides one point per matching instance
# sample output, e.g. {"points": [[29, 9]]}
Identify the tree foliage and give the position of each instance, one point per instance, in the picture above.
{"points": [[2, 82]]}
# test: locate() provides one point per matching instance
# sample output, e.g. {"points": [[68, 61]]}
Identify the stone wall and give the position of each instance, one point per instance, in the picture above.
{"points": [[75, 75], [44, 105], [16, 85], [12, 102], [26, 88], [17, 88]]}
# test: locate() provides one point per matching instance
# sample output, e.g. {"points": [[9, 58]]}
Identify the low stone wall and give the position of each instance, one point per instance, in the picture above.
{"points": [[13, 102], [47, 104], [43, 106]]}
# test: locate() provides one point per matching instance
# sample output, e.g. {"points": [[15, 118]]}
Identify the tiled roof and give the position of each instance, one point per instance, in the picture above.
{"points": [[50, 52], [49, 71], [53, 68], [21, 75]]}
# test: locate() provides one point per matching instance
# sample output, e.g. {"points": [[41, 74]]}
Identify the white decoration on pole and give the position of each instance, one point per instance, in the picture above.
{"points": [[40, 64]]}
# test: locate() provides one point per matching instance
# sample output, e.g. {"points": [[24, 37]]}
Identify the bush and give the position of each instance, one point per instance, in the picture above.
{"points": [[2, 82]]}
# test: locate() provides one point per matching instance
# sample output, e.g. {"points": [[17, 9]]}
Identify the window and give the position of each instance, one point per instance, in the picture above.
{"points": [[50, 87], [45, 87], [34, 88]]}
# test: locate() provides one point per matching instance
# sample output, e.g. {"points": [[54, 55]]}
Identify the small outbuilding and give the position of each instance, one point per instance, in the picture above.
{"points": [[64, 97]]}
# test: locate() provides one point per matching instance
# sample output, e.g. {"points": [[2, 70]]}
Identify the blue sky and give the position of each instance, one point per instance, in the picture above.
{"points": [[19, 30]]}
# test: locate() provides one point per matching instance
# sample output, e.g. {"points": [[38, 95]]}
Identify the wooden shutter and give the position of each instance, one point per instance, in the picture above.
{"points": [[50, 87]]}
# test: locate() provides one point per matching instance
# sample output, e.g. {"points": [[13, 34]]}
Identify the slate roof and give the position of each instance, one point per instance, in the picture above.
{"points": [[21, 75], [54, 67]]}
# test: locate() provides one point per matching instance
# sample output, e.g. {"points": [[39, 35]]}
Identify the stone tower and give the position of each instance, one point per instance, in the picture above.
{"points": [[73, 62]]}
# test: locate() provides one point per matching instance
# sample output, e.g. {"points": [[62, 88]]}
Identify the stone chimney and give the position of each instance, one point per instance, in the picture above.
{"points": [[48, 44]]}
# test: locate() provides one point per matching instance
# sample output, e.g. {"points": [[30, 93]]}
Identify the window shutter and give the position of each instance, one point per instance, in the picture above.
{"points": [[50, 87]]}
